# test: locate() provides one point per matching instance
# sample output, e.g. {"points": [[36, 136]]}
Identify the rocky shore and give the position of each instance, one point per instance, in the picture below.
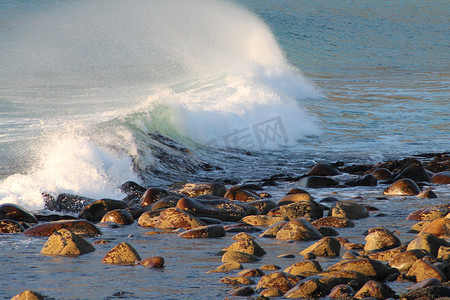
{"points": [[393, 256]]}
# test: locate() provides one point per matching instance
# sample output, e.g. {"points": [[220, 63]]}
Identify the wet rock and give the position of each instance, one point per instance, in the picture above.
{"points": [[441, 178], [327, 231], [166, 202], [153, 262], [270, 267], [371, 268], [272, 231], [307, 209], [317, 182], [67, 203], [173, 218], [219, 208], [434, 292], [152, 195], [323, 169], [439, 228], [122, 254], [65, 242], [298, 230], [119, 216], [148, 219], [310, 267], [326, 246], [366, 180], [355, 278], [95, 211], [17, 213], [242, 236], [79, 227], [382, 174], [278, 280], [239, 257], [341, 291], [381, 239], [375, 290], [271, 292], [307, 288], [204, 232], [28, 295], [263, 205], [336, 222], [10, 226], [263, 220], [242, 291], [387, 255], [402, 187], [251, 273], [241, 227], [227, 267], [295, 197], [131, 187], [426, 283], [246, 246], [240, 194], [431, 213], [428, 194], [415, 172], [349, 210], [444, 254], [237, 280], [422, 270], [427, 242], [403, 261], [203, 188]]}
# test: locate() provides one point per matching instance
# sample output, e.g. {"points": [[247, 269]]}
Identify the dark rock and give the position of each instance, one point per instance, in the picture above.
{"points": [[317, 182], [441, 178], [382, 174], [95, 211], [241, 194], [17, 213], [130, 187], [326, 246], [79, 227], [263, 205], [375, 290], [152, 195], [367, 180], [119, 216], [10, 226], [204, 232], [440, 162], [67, 203], [327, 231], [402, 187], [279, 280], [434, 292], [153, 262], [341, 291], [349, 210], [308, 209], [323, 169], [242, 291], [415, 172]]}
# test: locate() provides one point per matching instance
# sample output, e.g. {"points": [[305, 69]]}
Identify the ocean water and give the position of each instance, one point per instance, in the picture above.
{"points": [[96, 93]]}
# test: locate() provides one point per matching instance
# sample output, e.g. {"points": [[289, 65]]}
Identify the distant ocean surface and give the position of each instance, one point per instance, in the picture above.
{"points": [[95, 93]]}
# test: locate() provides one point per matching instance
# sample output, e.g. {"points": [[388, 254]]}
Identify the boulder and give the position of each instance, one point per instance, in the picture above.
{"points": [[433, 292], [67, 243], [335, 222], [227, 267], [415, 172], [28, 295], [239, 257], [246, 246], [173, 218], [66, 203], [203, 188], [271, 292], [403, 261], [427, 194], [430, 213], [349, 210], [381, 239], [422, 270], [309, 267], [341, 291], [79, 227], [119, 216], [373, 269], [152, 195], [10, 226], [237, 280], [17, 213], [308, 209], [317, 182], [366, 180], [326, 246], [375, 290], [441, 178], [240, 194], [323, 169], [95, 211], [272, 231], [263, 205], [444, 254], [204, 232], [148, 219], [382, 174], [153, 262], [439, 228], [122, 254], [298, 230], [308, 288], [387, 255], [251, 273], [263, 220], [278, 280], [402, 187], [427, 242], [295, 197], [166, 202]]}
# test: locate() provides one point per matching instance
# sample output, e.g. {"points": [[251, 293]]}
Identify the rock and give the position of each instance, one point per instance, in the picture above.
{"points": [[403, 261], [251, 273], [307, 209], [427, 194], [310, 267], [366, 180], [239, 257], [349, 210], [422, 270], [153, 262], [439, 228], [17, 213], [326, 246], [427, 242], [237, 280], [166, 202], [242, 291], [298, 230], [10, 226], [444, 254], [307, 288], [246, 246], [95, 211], [67, 203], [381, 239], [415, 172], [79, 227], [119, 216], [263, 220], [227, 267], [356, 279], [152, 195], [402, 187], [430, 213], [173, 218], [323, 169], [122, 254], [387, 255], [219, 208], [295, 197], [271, 292], [375, 290], [327, 231], [204, 232], [263, 205], [65, 242], [148, 219], [242, 236], [241, 227], [336, 222], [366, 266], [440, 162], [441, 178], [317, 182], [203, 188], [341, 291], [434, 292], [240, 194], [278, 280], [28, 295], [131, 187], [382, 174], [270, 267], [272, 231]]}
